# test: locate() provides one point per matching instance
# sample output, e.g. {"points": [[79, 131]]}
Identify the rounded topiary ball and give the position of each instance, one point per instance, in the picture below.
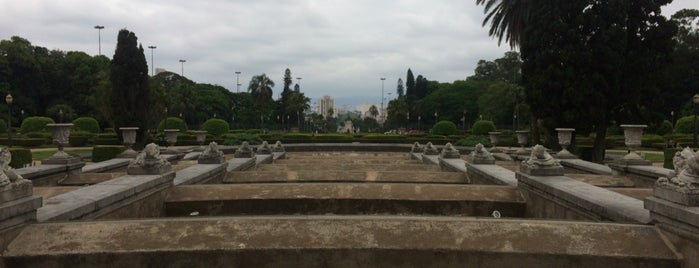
{"points": [[87, 124], [215, 127], [482, 127], [684, 125], [173, 123], [35, 124], [444, 128]]}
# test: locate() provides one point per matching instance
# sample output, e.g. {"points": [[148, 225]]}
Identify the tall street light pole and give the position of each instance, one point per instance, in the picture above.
{"points": [[182, 70], [152, 62], [695, 100], [237, 82], [99, 37], [382, 115]]}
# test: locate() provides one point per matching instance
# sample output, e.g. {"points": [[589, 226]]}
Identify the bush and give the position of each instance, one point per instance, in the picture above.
{"points": [[668, 154], [444, 128], [649, 139], [3, 126], [107, 139], [216, 127], [20, 157], [173, 123], [87, 124], [664, 128], [105, 152], [685, 125], [35, 124], [482, 127], [473, 140]]}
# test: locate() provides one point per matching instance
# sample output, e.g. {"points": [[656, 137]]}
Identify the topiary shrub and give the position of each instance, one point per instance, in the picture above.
{"points": [[664, 128], [215, 127], [87, 124], [482, 127], [3, 126], [79, 138], [472, 140], [173, 123], [107, 139], [21, 157], [35, 124], [685, 125], [444, 128], [105, 152]]}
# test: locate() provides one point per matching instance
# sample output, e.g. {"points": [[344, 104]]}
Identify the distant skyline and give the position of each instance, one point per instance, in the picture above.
{"points": [[338, 48]]}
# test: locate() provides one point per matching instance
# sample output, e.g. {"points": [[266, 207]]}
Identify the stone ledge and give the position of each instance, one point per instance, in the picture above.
{"points": [[239, 164], [197, 173], [263, 159], [106, 165], [587, 166], [35, 172], [376, 241], [454, 165], [586, 197], [494, 173], [19, 207], [676, 212], [430, 159]]}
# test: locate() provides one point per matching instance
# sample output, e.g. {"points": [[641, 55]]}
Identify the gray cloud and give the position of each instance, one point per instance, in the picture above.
{"points": [[340, 48]]}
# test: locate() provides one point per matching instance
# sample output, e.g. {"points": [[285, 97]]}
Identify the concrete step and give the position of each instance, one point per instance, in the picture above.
{"points": [[348, 167], [344, 198], [345, 176], [338, 241]]}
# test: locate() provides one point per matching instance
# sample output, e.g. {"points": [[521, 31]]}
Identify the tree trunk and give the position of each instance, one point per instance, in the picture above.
{"points": [[598, 145]]}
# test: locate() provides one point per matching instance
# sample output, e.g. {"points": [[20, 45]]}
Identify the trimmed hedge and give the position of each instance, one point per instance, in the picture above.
{"points": [[20, 157], [87, 124], [173, 123], [105, 152], [473, 140], [482, 127], [444, 128], [35, 124], [685, 125], [237, 139], [216, 127], [107, 139], [668, 154]]}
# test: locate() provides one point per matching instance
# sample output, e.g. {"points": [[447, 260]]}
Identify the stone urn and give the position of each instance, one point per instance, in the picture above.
{"points": [[632, 138], [494, 139], [565, 136], [61, 135], [128, 135], [171, 136], [522, 140], [201, 139]]}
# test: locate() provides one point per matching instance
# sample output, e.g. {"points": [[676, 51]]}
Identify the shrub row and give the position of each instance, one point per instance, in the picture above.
{"points": [[105, 152]]}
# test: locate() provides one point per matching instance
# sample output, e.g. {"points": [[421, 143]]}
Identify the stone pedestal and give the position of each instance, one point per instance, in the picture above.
{"points": [[541, 163], [632, 138], [60, 134], [211, 155], [494, 140], [201, 139], [430, 149], [171, 138], [565, 136], [278, 147], [522, 140], [264, 148], [129, 137], [244, 151]]}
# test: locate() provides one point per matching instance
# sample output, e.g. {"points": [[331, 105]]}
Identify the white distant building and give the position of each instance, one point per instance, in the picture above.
{"points": [[364, 109], [324, 104]]}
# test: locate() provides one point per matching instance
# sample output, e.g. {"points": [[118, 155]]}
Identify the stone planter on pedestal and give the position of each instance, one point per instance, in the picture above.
{"points": [[565, 135], [522, 140], [632, 138], [60, 134], [201, 138], [171, 138], [129, 136], [494, 139]]}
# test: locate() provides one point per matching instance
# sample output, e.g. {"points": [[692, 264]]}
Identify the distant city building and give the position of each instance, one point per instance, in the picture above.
{"points": [[159, 70], [326, 103], [364, 109]]}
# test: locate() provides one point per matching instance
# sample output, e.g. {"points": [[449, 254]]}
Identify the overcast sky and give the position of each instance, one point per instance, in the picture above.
{"points": [[339, 48]]}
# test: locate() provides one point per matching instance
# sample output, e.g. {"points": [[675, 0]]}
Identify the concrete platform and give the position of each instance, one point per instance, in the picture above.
{"points": [[345, 176], [347, 167], [344, 198], [337, 241]]}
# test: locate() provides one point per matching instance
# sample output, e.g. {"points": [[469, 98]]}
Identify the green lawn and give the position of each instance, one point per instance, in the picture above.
{"points": [[654, 157]]}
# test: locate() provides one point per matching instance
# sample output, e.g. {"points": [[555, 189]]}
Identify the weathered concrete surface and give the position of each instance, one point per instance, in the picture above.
{"points": [[338, 241], [90, 200], [344, 198], [559, 196], [200, 173], [106, 165], [238, 164], [638, 193], [345, 176], [397, 160], [586, 166], [88, 179], [430, 159], [49, 175], [48, 192], [453, 165], [345, 167], [643, 176], [603, 180], [263, 159], [490, 174]]}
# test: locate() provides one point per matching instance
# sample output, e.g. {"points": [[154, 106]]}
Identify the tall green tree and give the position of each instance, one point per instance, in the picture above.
{"points": [[261, 89], [507, 18], [131, 100], [400, 89], [298, 104]]}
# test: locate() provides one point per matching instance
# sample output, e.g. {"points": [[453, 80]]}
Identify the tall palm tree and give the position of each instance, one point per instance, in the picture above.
{"points": [[298, 104], [261, 89], [373, 111], [508, 19]]}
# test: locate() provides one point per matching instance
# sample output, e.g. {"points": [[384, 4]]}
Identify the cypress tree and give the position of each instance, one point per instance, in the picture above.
{"points": [[130, 96]]}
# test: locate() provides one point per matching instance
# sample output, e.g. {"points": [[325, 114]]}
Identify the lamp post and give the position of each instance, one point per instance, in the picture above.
{"points": [[237, 82], [672, 118], [182, 70], [99, 38], [382, 116], [299, 81], [695, 100], [152, 63], [8, 100]]}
